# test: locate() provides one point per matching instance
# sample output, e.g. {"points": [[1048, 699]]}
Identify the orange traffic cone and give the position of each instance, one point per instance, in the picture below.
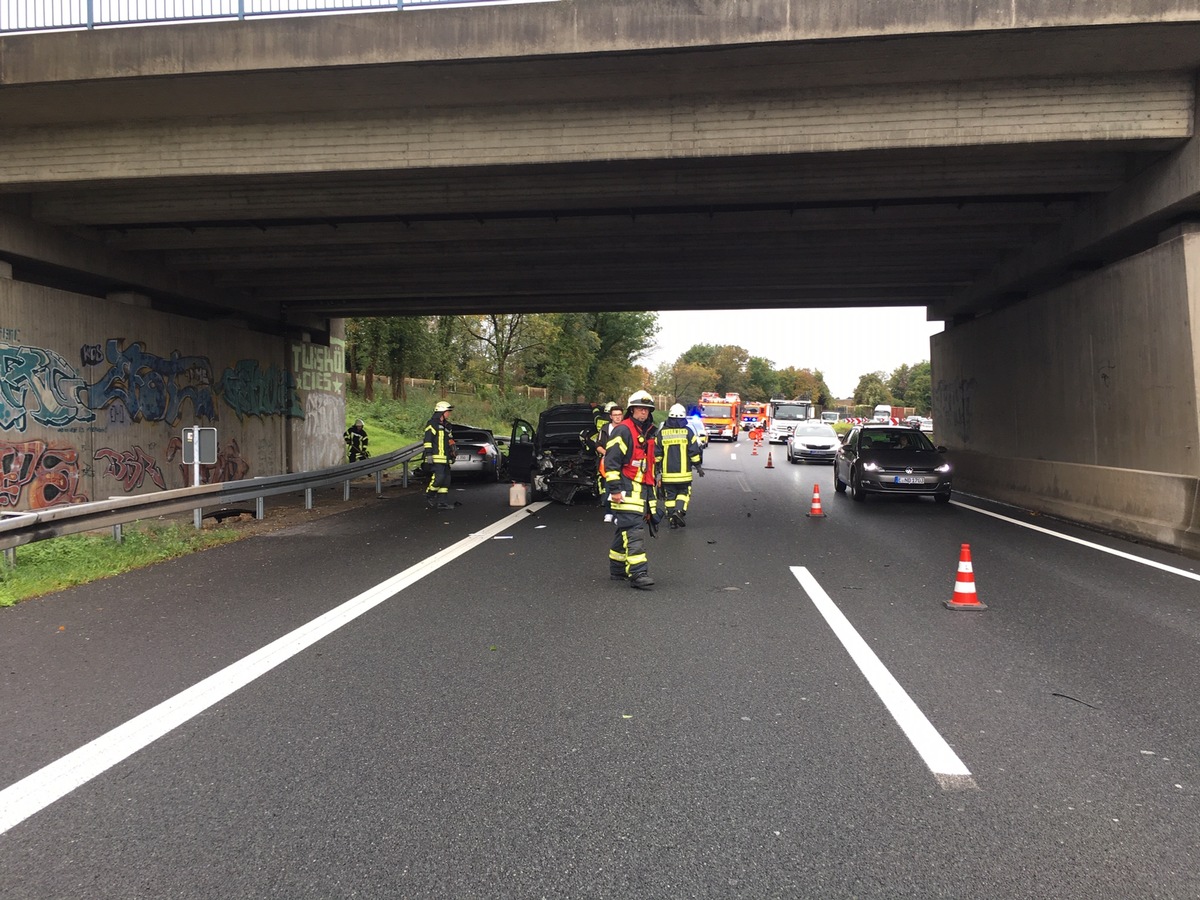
{"points": [[815, 511], [754, 449], [769, 465], [964, 586]]}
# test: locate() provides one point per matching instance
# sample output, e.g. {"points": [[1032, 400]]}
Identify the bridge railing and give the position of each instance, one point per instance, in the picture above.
{"points": [[22, 528], [59, 15]]}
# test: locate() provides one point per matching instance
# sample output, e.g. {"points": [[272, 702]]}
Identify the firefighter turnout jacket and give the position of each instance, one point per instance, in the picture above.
{"points": [[679, 452], [439, 446], [629, 464]]}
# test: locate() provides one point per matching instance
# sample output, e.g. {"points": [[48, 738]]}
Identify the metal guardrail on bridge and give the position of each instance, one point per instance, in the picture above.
{"points": [[25, 528], [58, 15]]}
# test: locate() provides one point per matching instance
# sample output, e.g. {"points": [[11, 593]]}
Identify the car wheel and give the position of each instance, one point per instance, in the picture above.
{"points": [[942, 498], [856, 488], [838, 484]]}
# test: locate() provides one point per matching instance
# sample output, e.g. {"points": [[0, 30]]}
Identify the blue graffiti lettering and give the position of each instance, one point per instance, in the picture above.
{"points": [[151, 388]]}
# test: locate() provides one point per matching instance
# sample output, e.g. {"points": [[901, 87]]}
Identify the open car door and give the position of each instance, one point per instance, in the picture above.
{"points": [[520, 451]]}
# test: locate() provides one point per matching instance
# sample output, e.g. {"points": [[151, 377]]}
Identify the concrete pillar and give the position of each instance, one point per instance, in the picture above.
{"points": [[5, 270], [1082, 402]]}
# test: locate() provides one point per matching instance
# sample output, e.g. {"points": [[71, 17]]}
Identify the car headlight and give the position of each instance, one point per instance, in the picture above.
{"points": [[871, 467], [943, 468]]}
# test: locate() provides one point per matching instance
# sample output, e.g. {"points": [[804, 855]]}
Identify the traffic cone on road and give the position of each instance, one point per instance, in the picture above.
{"points": [[754, 449], [815, 511], [769, 465], [964, 586]]}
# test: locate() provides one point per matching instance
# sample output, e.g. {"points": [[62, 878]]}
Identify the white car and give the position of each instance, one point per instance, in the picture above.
{"points": [[812, 441]]}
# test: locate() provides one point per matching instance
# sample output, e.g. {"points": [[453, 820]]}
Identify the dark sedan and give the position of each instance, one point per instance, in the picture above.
{"points": [[891, 459]]}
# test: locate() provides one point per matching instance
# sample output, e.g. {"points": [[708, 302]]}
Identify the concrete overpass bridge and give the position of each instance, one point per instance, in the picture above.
{"points": [[1027, 171]]}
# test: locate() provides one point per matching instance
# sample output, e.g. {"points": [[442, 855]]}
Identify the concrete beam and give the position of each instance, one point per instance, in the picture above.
{"points": [[29, 243], [534, 30]]}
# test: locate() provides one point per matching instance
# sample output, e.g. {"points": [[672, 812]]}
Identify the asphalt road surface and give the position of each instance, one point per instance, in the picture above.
{"points": [[395, 702]]}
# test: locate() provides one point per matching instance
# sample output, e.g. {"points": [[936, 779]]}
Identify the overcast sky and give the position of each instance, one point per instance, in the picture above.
{"points": [[843, 343]]}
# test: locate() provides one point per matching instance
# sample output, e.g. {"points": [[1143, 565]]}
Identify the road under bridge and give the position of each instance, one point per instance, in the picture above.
{"points": [[1028, 173]]}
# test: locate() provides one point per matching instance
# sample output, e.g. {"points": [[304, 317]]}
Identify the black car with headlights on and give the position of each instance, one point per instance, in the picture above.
{"points": [[891, 459]]}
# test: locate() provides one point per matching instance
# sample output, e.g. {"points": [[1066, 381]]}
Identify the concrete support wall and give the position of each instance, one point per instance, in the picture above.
{"points": [[94, 395], [1083, 402]]}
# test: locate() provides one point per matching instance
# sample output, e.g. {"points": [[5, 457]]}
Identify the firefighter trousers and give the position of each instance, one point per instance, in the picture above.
{"points": [[627, 557]]}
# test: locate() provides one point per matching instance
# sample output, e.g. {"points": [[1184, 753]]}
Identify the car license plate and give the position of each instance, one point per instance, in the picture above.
{"points": [[909, 479], [463, 457]]}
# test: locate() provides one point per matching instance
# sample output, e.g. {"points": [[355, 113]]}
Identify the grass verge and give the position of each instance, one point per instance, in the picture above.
{"points": [[64, 562]]}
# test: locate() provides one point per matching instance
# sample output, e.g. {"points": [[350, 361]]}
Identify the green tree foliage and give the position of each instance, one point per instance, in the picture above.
{"points": [[683, 381], [764, 380], [872, 390], [919, 393], [804, 384], [623, 337]]}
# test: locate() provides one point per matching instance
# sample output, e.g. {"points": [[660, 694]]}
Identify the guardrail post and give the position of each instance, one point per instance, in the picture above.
{"points": [[197, 517], [404, 478], [10, 557], [259, 508], [379, 483], [118, 537], [346, 489], [308, 498]]}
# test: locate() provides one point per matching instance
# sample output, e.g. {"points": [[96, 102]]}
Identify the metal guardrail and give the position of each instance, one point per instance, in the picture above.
{"points": [[59, 15], [25, 528]]}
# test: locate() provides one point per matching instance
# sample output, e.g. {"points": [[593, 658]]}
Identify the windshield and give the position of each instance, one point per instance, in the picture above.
{"points": [[791, 413], [896, 439], [815, 431], [716, 411]]}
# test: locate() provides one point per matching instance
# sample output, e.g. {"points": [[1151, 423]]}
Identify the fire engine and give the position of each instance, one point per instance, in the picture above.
{"points": [[721, 415], [754, 415]]}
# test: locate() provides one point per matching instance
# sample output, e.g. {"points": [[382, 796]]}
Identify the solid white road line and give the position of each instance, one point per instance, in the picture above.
{"points": [[947, 768], [37, 791], [1074, 540]]}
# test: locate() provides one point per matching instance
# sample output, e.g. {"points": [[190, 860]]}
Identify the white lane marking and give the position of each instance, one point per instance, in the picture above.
{"points": [[741, 480], [35, 792], [1074, 540], [947, 768]]}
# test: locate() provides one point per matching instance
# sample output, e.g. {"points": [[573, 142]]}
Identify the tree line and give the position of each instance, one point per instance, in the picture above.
{"points": [[590, 355]]}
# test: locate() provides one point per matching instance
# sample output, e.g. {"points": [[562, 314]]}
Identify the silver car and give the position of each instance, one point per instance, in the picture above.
{"points": [[812, 441]]}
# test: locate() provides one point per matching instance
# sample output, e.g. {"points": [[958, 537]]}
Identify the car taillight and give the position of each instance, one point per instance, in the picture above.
{"points": [[483, 451]]}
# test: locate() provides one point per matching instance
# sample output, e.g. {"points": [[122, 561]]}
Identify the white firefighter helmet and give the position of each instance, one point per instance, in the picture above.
{"points": [[443, 406], [640, 398], [677, 411], [610, 406]]}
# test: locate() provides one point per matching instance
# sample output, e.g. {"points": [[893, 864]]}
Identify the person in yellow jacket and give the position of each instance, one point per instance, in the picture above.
{"points": [[629, 473], [678, 457], [439, 455]]}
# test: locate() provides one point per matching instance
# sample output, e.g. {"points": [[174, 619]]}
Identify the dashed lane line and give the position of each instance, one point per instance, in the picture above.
{"points": [[942, 761], [35, 792]]}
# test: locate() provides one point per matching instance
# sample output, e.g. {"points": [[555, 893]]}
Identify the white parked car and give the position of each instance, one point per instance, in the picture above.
{"points": [[812, 441]]}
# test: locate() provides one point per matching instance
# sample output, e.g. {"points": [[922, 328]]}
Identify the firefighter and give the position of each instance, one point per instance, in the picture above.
{"points": [[629, 472], [356, 441], [678, 457], [439, 454], [613, 414]]}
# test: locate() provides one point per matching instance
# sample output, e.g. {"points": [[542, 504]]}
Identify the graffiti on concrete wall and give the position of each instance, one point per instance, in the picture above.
{"points": [[250, 391], [131, 467], [230, 465], [42, 474], [40, 384], [154, 388], [953, 401], [319, 368], [321, 444]]}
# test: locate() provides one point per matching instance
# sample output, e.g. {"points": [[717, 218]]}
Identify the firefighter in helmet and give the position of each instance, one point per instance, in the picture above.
{"points": [[678, 457], [629, 473], [439, 454]]}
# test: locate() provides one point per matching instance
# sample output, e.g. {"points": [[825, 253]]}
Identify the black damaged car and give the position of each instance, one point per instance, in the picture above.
{"points": [[558, 458]]}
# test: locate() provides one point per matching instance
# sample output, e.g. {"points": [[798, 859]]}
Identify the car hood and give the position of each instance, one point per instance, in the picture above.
{"points": [[560, 426], [900, 459]]}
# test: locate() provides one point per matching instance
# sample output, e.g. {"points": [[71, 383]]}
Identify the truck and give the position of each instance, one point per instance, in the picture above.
{"points": [[721, 415], [785, 415], [754, 415]]}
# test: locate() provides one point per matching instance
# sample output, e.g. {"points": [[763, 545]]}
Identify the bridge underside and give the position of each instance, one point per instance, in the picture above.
{"points": [[1031, 172]]}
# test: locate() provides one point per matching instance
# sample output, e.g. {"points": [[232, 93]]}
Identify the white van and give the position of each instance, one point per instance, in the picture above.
{"points": [[883, 413]]}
